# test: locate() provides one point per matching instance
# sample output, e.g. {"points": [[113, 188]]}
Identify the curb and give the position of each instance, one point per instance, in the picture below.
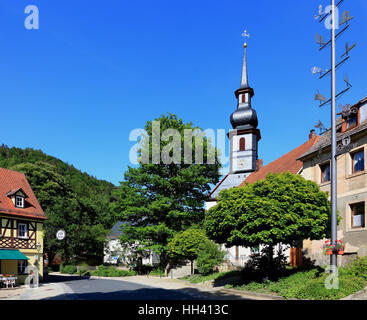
{"points": [[354, 295], [253, 295]]}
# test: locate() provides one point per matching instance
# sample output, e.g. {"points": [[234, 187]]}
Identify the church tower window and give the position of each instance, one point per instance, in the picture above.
{"points": [[242, 144]]}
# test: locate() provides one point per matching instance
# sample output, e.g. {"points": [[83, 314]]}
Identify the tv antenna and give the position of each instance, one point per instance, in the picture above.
{"points": [[348, 49], [319, 15], [317, 70], [319, 40], [347, 110], [346, 80], [320, 126], [345, 18], [319, 97]]}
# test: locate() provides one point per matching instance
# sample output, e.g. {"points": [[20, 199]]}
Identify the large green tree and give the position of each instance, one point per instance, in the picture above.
{"points": [[160, 198], [283, 208], [84, 226]]}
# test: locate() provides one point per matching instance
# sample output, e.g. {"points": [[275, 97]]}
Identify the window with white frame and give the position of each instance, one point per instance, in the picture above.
{"points": [[19, 202], [22, 230], [358, 215], [358, 161], [22, 265]]}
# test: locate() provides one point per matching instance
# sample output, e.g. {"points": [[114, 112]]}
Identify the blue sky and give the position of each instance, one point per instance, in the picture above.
{"points": [[96, 70]]}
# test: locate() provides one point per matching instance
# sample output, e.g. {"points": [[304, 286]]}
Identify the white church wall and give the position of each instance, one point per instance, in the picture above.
{"points": [[210, 204]]}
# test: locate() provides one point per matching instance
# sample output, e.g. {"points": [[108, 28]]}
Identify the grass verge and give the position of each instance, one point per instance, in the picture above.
{"points": [[197, 278], [310, 284]]}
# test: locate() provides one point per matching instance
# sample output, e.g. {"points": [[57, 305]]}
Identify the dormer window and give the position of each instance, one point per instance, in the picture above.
{"points": [[19, 201], [352, 121], [350, 117]]}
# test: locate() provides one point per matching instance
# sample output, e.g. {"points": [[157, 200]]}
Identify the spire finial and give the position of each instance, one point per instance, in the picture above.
{"points": [[244, 80]]}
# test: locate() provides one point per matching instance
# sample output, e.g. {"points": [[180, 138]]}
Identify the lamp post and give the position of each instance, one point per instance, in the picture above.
{"points": [[38, 247]]}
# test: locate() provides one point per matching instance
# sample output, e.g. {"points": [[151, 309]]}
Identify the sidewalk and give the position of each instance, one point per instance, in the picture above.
{"points": [[45, 290], [14, 293]]}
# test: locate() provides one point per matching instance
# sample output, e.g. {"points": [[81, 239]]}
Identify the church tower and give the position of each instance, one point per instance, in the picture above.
{"points": [[245, 136]]}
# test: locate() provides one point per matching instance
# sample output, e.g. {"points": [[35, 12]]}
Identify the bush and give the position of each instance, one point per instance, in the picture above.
{"points": [[310, 284], [103, 271], [157, 272], [358, 268], [209, 256], [69, 269]]}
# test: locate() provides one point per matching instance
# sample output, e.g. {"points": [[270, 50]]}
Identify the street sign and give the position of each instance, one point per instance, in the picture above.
{"points": [[60, 235]]}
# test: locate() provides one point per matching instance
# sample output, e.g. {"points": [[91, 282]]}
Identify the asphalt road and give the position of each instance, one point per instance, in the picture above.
{"points": [[103, 289]]}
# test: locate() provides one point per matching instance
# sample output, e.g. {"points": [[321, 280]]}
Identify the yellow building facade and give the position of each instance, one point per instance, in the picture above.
{"points": [[21, 227]]}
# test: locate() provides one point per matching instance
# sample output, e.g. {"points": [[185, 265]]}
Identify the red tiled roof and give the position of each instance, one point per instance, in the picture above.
{"points": [[285, 163], [13, 180]]}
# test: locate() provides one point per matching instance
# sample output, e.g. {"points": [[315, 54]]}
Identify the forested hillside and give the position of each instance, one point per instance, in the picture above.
{"points": [[72, 200], [81, 182]]}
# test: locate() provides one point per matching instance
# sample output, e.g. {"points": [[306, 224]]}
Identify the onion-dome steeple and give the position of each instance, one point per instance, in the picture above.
{"points": [[244, 117]]}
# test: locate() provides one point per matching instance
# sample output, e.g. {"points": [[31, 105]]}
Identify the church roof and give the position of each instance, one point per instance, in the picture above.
{"points": [[286, 163]]}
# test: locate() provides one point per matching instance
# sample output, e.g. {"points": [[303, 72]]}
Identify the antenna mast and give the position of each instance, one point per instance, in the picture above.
{"points": [[322, 16]]}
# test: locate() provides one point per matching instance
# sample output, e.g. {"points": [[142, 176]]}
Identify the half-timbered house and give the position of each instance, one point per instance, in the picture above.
{"points": [[21, 225]]}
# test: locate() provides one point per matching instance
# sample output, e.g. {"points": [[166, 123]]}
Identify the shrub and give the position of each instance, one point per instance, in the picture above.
{"points": [[209, 256], [103, 271], [358, 267], [125, 273], [157, 272], [69, 269]]}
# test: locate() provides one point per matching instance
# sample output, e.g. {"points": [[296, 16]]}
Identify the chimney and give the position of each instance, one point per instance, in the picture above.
{"points": [[259, 164], [312, 134]]}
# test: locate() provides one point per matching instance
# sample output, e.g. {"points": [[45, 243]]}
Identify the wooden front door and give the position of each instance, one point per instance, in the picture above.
{"points": [[296, 257]]}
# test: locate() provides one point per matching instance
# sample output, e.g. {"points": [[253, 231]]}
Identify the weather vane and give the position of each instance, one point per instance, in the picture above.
{"points": [[245, 35]]}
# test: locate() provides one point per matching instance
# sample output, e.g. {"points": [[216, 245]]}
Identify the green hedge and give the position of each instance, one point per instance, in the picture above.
{"points": [[68, 269], [104, 271]]}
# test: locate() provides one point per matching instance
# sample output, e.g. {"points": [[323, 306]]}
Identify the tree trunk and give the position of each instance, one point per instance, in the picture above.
{"points": [[192, 267], [271, 261]]}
